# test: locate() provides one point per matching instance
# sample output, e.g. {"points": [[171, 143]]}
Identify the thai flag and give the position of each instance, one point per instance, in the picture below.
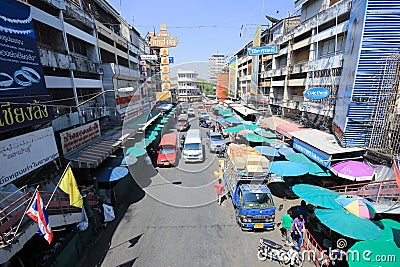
{"points": [[38, 214]]}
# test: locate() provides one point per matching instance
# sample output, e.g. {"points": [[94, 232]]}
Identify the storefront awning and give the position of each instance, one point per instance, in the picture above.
{"points": [[323, 141], [286, 128], [245, 111], [93, 154]]}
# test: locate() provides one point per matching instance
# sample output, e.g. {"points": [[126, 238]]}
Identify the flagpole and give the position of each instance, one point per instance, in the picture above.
{"points": [[23, 215], [59, 181]]}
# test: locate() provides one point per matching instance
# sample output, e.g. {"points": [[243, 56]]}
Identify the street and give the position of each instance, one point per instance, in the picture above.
{"points": [[179, 223]]}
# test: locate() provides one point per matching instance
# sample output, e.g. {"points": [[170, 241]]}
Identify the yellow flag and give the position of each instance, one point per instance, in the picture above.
{"points": [[69, 186]]}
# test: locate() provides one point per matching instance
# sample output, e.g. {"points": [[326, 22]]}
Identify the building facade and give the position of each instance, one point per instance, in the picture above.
{"points": [[188, 88], [215, 66], [336, 45]]}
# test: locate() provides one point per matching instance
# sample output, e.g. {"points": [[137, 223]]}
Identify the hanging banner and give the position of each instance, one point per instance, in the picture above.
{"points": [[24, 153], [20, 70], [232, 85]]}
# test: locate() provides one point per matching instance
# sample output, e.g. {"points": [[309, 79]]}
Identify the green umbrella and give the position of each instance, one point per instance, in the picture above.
{"points": [[157, 129], [233, 120], [136, 151], [270, 140], [250, 126], [317, 170], [298, 157], [317, 196], [225, 112], [264, 133], [164, 121], [253, 138], [235, 129], [348, 224]]}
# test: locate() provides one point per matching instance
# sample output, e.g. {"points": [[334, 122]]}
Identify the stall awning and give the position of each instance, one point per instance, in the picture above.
{"points": [[323, 141], [271, 122], [286, 128], [245, 111], [93, 154]]}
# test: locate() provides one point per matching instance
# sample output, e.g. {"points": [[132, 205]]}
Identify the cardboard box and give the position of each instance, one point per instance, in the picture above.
{"points": [[239, 162], [265, 163]]}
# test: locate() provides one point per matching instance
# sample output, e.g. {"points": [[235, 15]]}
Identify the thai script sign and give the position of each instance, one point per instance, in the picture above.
{"points": [[317, 93], [163, 38], [20, 70], [263, 50], [313, 153], [22, 154], [19, 112], [75, 138]]}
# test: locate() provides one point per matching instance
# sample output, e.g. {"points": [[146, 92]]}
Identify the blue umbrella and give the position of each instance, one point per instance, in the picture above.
{"points": [[288, 168], [279, 144], [286, 151], [267, 151], [111, 174], [136, 151], [348, 224]]}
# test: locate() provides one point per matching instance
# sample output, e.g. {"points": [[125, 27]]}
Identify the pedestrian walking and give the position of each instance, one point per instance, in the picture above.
{"points": [[219, 188], [287, 221], [298, 229]]}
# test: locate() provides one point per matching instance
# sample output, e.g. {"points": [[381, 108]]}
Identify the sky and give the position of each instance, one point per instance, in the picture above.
{"points": [[203, 27]]}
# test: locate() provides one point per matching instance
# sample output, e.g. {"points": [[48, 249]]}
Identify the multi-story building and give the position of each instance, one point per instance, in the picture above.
{"points": [[336, 45], [215, 65], [88, 58], [188, 88]]}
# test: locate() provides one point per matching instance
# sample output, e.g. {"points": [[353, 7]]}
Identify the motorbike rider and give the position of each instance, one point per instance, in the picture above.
{"points": [[182, 141]]}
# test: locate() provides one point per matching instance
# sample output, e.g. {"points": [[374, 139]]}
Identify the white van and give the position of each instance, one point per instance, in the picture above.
{"points": [[193, 148]]}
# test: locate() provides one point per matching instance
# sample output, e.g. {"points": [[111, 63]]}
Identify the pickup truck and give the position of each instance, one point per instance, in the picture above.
{"points": [[251, 198]]}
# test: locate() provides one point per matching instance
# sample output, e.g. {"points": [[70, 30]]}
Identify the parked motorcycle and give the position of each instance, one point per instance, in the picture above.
{"points": [[274, 251]]}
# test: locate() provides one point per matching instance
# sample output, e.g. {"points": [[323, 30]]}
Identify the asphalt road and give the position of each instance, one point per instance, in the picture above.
{"points": [[177, 222]]}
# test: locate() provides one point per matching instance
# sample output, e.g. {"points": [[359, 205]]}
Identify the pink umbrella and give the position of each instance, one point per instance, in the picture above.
{"points": [[353, 170]]}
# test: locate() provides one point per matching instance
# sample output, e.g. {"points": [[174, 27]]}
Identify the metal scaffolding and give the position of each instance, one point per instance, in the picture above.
{"points": [[385, 135]]}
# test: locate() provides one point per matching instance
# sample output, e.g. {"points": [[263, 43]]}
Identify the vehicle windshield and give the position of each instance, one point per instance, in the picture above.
{"points": [[216, 138], [167, 150], [181, 121], [257, 201], [192, 146]]}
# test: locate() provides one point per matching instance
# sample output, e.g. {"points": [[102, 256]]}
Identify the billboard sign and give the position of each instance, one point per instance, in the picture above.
{"points": [[20, 70], [19, 112], [263, 50], [232, 84], [77, 137], [24, 153], [317, 93], [312, 153], [163, 38]]}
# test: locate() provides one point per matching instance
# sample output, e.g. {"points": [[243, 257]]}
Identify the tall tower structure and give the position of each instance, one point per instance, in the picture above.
{"points": [[215, 65]]}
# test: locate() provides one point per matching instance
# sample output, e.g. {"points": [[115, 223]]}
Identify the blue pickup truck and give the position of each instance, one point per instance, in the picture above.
{"points": [[251, 198]]}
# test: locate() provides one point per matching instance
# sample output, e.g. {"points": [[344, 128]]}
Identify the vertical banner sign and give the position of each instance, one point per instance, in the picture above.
{"points": [[254, 71], [20, 70], [22, 88], [232, 84]]}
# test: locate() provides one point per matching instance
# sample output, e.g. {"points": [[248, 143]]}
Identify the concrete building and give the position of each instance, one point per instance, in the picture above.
{"points": [[188, 89], [336, 45], [215, 66]]}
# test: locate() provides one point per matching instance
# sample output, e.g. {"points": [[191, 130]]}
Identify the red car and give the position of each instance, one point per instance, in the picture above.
{"points": [[167, 150]]}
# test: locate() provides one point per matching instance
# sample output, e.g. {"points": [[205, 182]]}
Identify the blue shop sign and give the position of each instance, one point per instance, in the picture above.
{"points": [[317, 93], [20, 70], [263, 50], [313, 153]]}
